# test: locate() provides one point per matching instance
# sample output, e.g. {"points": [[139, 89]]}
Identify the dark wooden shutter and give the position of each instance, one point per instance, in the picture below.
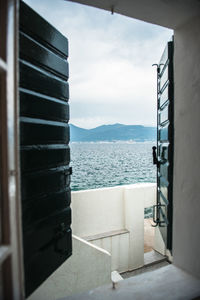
{"points": [[45, 153], [165, 144]]}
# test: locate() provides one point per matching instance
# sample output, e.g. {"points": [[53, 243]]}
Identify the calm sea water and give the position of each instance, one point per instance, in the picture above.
{"points": [[97, 165]]}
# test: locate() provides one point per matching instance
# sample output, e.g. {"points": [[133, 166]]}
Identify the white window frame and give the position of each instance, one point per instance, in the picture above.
{"points": [[11, 267]]}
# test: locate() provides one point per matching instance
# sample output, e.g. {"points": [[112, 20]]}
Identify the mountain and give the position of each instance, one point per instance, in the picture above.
{"points": [[115, 132]]}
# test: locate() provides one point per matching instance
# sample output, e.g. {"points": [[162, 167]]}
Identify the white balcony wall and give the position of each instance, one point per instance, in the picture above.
{"points": [[102, 211], [97, 211], [117, 244], [110, 219]]}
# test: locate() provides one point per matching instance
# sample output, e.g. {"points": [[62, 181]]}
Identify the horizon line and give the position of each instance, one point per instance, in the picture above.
{"points": [[112, 124]]}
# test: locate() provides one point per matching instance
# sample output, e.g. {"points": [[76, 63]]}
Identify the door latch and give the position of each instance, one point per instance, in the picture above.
{"points": [[156, 215], [155, 159]]}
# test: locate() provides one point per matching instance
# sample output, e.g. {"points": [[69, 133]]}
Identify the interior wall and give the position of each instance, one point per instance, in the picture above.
{"points": [[186, 224]]}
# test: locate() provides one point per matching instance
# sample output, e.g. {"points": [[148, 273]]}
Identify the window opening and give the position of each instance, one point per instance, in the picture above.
{"points": [[113, 103]]}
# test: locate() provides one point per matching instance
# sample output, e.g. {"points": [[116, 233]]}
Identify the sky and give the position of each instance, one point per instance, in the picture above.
{"points": [[110, 58]]}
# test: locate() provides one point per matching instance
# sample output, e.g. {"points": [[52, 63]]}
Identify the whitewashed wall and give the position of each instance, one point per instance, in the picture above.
{"points": [[118, 246], [135, 198], [97, 211], [186, 220], [101, 211]]}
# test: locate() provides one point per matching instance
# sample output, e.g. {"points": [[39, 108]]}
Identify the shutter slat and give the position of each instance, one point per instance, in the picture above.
{"points": [[45, 182], [41, 157], [47, 205], [43, 107], [34, 79], [41, 134], [35, 26], [32, 51]]}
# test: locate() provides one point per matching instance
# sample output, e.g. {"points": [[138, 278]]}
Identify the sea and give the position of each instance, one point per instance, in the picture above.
{"points": [[108, 164]]}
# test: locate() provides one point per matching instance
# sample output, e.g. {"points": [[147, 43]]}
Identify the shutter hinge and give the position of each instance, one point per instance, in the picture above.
{"points": [[70, 171], [59, 235], [158, 68]]}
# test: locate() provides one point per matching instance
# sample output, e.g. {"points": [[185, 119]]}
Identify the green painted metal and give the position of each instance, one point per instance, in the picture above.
{"points": [[165, 141]]}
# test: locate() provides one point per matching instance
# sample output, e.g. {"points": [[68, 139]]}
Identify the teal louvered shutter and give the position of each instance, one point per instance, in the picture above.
{"points": [[164, 159], [44, 149]]}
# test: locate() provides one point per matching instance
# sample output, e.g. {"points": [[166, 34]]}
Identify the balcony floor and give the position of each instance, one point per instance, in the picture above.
{"points": [[168, 282], [152, 261], [149, 233]]}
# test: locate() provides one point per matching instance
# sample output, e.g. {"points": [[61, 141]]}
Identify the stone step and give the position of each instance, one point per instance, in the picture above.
{"points": [[152, 261]]}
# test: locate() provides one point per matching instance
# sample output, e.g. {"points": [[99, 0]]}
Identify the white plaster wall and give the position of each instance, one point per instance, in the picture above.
{"points": [[137, 197], [97, 211], [161, 12], [149, 194], [159, 244], [100, 211], [87, 268], [186, 224], [118, 247], [134, 208]]}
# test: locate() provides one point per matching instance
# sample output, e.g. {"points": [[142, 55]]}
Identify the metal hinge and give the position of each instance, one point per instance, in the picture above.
{"points": [[70, 171], [158, 67]]}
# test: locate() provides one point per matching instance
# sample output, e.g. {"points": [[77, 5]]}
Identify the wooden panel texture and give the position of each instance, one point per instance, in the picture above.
{"points": [[45, 153], [165, 143]]}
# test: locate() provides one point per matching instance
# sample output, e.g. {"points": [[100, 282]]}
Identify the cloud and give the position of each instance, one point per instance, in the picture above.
{"points": [[111, 77]]}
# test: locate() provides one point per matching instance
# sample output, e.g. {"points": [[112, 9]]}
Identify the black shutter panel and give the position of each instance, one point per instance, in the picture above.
{"points": [[45, 153], [165, 144]]}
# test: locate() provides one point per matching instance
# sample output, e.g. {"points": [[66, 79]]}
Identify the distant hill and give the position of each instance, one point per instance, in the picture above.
{"points": [[115, 132]]}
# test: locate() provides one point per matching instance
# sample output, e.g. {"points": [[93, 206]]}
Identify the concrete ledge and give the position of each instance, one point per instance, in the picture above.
{"points": [[105, 235], [167, 282], [116, 277]]}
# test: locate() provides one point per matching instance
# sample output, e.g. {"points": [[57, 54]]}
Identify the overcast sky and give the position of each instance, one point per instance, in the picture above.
{"points": [[111, 75]]}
